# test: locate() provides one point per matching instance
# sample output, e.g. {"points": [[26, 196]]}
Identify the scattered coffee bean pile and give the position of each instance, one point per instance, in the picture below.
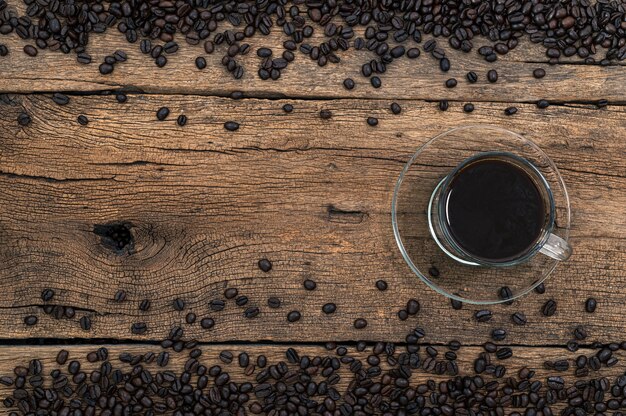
{"points": [[563, 28]]}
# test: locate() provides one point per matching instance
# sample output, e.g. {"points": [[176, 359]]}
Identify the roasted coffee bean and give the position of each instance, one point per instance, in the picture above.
{"points": [[265, 265], [381, 285], [451, 83], [47, 295], [82, 120], [403, 315], [443, 105], [30, 50], [580, 333], [309, 284], [178, 304], [231, 126], [217, 305], [62, 357], [30, 320], [549, 308], [468, 108], [273, 302], [162, 113], [4, 51], [287, 108], [372, 121], [472, 77], [509, 111], [504, 353], [348, 83], [241, 300], [200, 62], [325, 114], [376, 82], [444, 64], [181, 120], [85, 323], [539, 73], [144, 305], [483, 315], [264, 52], [207, 323], [492, 75], [251, 312], [498, 334], [120, 296], [519, 318], [413, 53], [105, 68], [360, 323], [329, 308], [542, 104], [60, 99], [395, 108], [590, 305], [190, 318], [293, 316], [23, 119], [602, 103], [412, 306], [139, 328]]}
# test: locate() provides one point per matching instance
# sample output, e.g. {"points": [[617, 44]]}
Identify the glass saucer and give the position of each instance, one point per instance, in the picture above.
{"points": [[423, 173]]}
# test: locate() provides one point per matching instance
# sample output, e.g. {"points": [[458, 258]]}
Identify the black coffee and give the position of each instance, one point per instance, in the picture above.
{"points": [[494, 210]]}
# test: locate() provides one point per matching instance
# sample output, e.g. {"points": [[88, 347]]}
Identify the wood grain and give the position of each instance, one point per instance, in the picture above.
{"points": [[313, 196], [407, 79], [533, 358]]}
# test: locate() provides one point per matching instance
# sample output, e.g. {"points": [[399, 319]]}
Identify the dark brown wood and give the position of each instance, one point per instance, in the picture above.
{"points": [[407, 79], [313, 196]]}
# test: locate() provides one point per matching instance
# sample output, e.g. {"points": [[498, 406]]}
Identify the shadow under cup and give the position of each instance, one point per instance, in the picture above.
{"points": [[441, 265]]}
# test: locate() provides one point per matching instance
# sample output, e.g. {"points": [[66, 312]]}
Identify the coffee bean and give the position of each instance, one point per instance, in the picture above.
{"points": [[47, 295], [273, 302], [231, 126], [381, 285], [162, 113], [62, 357], [540, 289], [539, 73], [30, 50], [492, 75], [241, 300], [472, 77], [549, 308], [121, 98], [412, 307], [413, 53], [120, 296], [144, 305], [468, 108], [329, 308], [372, 121], [217, 305], [444, 64], [265, 265], [443, 105], [376, 82], [30, 320], [207, 323], [590, 305], [483, 315], [190, 318], [139, 328], [602, 103], [264, 52], [360, 323], [504, 353], [519, 318], [325, 114], [105, 68], [60, 99], [251, 312], [309, 284], [287, 108], [509, 111], [580, 333], [23, 119], [451, 83], [456, 304], [395, 108], [403, 315], [498, 334], [542, 104], [181, 120], [160, 61], [348, 83], [82, 120], [4, 51], [85, 323], [293, 316]]}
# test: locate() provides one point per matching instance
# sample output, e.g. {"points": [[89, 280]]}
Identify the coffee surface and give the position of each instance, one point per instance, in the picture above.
{"points": [[494, 210]]}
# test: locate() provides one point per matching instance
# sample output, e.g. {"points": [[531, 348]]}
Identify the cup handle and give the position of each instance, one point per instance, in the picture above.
{"points": [[557, 248]]}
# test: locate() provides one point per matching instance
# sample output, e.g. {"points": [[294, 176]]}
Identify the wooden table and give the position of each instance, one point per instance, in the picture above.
{"points": [[204, 205]]}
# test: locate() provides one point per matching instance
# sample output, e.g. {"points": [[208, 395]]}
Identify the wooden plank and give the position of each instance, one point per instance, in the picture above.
{"points": [[313, 196], [405, 78], [532, 358]]}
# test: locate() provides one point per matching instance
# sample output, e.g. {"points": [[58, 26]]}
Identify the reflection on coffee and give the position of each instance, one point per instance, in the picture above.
{"points": [[494, 210]]}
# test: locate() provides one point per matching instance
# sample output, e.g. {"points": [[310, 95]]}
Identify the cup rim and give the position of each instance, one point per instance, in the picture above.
{"points": [[537, 244], [398, 237]]}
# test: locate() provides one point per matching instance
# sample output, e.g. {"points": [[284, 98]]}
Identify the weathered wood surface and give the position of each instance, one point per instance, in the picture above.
{"points": [[407, 79], [533, 358], [313, 196]]}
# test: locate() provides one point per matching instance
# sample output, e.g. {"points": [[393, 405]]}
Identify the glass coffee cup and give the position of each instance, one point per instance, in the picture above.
{"points": [[458, 249]]}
